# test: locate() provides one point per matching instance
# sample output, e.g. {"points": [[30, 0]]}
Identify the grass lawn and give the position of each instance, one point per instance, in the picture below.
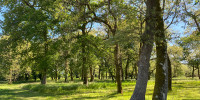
{"points": [[183, 88]]}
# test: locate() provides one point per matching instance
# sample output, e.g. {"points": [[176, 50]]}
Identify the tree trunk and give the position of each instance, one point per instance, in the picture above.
{"points": [[161, 76], [174, 71], [120, 64], [82, 74], [127, 66], [106, 74], [99, 71], [122, 71], [10, 76], [56, 74], [71, 74], [192, 71], [146, 49], [66, 66], [85, 69], [91, 75], [169, 74], [44, 70], [44, 78], [118, 68], [198, 71]]}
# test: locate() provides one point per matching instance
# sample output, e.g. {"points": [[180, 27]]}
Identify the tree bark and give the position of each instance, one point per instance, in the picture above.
{"points": [[118, 68], [44, 77], [147, 40], [85, 69], [44, 69], [198, 71], [66, 66], [161, 76], [10, 76], [91, 75], [169, 74], [127, 66], [99, 71], [71, 74], [56, 74], [192, 71], [121, 68]]}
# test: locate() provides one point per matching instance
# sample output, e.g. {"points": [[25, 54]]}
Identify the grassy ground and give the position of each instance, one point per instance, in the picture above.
{"points": [[182, 89]]}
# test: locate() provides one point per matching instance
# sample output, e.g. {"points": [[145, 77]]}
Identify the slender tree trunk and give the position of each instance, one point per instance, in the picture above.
{"points": [[169, 74], [85, 69], [66, 66], [91, 75], [192, 72], [56, 74], [99, 71], [14, 77], [118, 68], [106, 74], [122, 70], [174, 71], [71, 74], [161, 76], [198, 73], [127, 66], [147, 40], [44, 70], [10, 76], [82, 74]]}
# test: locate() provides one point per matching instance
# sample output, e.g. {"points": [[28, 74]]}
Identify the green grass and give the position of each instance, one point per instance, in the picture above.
{"points": [[182, 89]]}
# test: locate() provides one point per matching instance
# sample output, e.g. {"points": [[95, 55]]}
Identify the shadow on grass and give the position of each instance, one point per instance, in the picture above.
{"points": [[112, 95], [19, 94]]}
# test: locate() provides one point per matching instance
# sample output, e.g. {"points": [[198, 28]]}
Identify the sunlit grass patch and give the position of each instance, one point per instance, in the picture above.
{"points": [[99, 90]]}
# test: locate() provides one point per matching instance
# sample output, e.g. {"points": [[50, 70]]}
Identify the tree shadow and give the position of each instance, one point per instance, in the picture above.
{"points": [[7, 94]]}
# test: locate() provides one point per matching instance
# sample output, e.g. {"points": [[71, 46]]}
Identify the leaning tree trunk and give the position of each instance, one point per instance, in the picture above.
{"points": [[118, 68], [143, 65], [169, 74], [161, 76]]}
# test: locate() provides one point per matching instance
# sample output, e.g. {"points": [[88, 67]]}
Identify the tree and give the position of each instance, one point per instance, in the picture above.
{"points": [[30, 23], [191, 49], [161, 77], [147, 39]]}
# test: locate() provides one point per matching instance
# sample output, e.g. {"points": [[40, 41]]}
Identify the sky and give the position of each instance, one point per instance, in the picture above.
{"points": [[1, 18]]}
